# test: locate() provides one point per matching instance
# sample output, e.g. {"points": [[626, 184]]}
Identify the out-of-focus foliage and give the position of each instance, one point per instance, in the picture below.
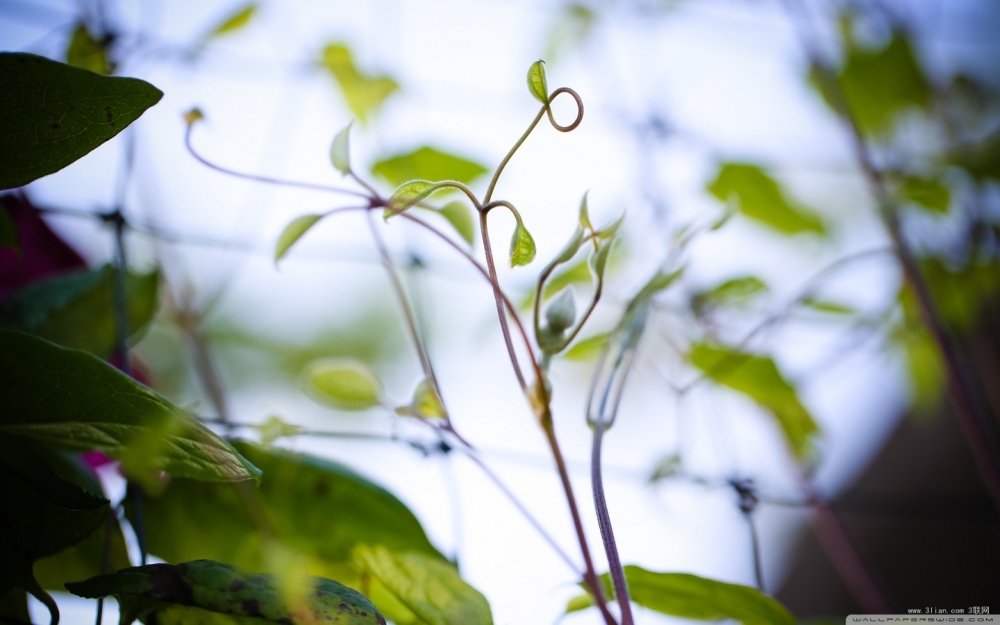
{"points": [[758, 196], [426, 163], [363, 93], [86, 52]]}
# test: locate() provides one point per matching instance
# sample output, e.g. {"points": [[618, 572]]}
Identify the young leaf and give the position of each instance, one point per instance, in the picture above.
{"points": [[340, 150], [236, 21], [86, 52], [570, 249], [292, 233], [536, 82], [52, 114], [693, 597], [364, 94], [758, 378], [460, 217], [611, 229], [733, 292], [932, 194], [522, 246], [425, 403], [183, 593], [427, 163], [430, 588], [561, 313], [759, 197], [68, 399], [409, 194], [584, 215], [343, 383], [77, 309], [588, 348]]}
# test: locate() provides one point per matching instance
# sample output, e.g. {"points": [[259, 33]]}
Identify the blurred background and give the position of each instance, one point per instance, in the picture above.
{"points": [[863, 491]]}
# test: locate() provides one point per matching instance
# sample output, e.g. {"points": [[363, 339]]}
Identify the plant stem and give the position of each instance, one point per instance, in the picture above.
{"points": [[618, 581], [510, 154]]}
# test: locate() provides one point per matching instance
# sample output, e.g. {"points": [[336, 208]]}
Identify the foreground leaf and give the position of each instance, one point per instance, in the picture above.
{"points": [[759, 197], [72, 400], [693, 597], [182, 593], [292, 233], [77, 309], [536, 82], [52, 114], [364, 93], [430, 588], [343, 383], [427, 163], [758, 378], [522, 246]]}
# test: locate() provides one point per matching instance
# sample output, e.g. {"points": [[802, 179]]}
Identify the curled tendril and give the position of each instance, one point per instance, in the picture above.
{"points": [[579, 109]]}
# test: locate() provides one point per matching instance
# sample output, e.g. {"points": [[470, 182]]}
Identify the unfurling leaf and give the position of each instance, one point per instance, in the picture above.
{"points": [[610, 230], [759, 197], [584, 215], [693, 597], [425, 403], [932, 194], [409, 194], [522, 246], [364, 94], [183, 593], [52, 114], [536, 82], [292, 233], [343, 383], [86, 52], [236, 21], [340, 150], [427, 163], [758, 378], [561, 313], [460, 218]]}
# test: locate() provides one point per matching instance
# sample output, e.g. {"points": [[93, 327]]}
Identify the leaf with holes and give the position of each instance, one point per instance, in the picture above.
{"points": [[51, 114]]}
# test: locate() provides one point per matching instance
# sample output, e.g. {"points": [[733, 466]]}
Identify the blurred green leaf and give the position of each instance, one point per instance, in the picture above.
{"points": [[52, 114], [427, 163], [733, 292], [192, 592], [536, 82], [425, 403], [430, 588], [577, 273], [340, 150], [77, 309], [14, 605], [409, 194], [824, 306], [236, 21], [292, 233], [758, 378], [759, 197], [588, 348], [693, 597], [460, 217], [959, 292], [71, 400], [343, 383], [878, 84], [86, 52], [923, 364], [585, 214], [573, 25], [932, 194], [274, 428], [522, 246], [666, 467], [8, 232], [982, 159], [364, 94], [611, 229]]}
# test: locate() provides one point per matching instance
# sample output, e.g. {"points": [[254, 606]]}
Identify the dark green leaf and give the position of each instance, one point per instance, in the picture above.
{"points": [[932, 194], [758, 378], [981, 160], [460, 217], [236, 21], [536, 82], [77, 309], [340, 150], [364, 93], [72, 400], [759, 197], [588, 348], [430, 588], [693, 597], [14, 605], [343, 383], [183, 593], [732, 292], [427, 163], [52, 114], [8, 231], [86, 52], [522, 246], [292, 233]]}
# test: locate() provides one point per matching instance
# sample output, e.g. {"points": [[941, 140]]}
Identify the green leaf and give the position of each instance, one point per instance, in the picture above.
{"points": [[425, 403], [14, 605], [460, 217], [823, 306], [364, 94], [759, 197], [522, 246], [588, 348], [409, 194], [536, 82], [981, 160], [71, 400], [52, 114], [699, 598], [577, 273], [8, 232], [427, 163], [611, 229], [561, 313], [758, 378], [570, 249], [77, 309], [878, 84], [274, 428], [932, 194], [665, 468], [292, 233], [236, 21], [171, 594], [431, 589], [343, 383], [584, 214], [86, 52], [340, 150], [733, 292]]}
